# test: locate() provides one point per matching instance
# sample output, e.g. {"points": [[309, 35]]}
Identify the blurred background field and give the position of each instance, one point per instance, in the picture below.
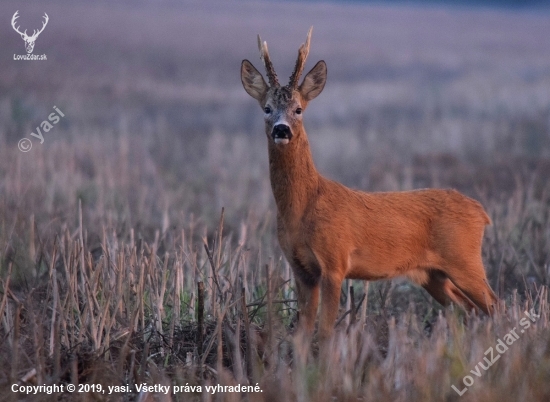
{"points": [[158, 136]]}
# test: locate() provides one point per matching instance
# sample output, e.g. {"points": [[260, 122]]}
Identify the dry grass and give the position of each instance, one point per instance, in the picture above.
{"points": [[107, 229]]}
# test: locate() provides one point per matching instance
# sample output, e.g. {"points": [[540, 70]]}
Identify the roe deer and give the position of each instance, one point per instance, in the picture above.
{"points": [[329, 232]]}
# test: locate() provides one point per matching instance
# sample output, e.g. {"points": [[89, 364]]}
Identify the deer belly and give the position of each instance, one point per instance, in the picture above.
{"points": [[363, 265]]}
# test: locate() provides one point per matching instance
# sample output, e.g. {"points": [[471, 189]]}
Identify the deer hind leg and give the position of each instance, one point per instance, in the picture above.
{"points": [[444, 291], [471, 280]]}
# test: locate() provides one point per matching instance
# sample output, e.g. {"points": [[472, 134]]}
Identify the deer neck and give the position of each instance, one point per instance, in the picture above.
{"points": [[294, 178]]}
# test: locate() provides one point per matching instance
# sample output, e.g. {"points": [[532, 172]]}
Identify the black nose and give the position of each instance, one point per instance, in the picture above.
{"points": [[281, 131]]}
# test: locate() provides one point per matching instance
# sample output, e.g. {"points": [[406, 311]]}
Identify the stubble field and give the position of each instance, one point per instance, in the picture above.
{"points": [[108, 228]]}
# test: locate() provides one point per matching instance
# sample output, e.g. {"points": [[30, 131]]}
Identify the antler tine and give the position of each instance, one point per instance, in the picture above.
{"points": [[14, 18], [270, 71], [35, 32], [46, 19], [13, 22], [300, 61]]}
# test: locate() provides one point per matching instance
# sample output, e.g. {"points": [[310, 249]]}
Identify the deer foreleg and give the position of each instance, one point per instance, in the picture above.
{"points": [[330, 301], [308, 301]]}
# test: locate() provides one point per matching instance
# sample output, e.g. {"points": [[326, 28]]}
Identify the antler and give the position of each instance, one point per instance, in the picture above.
{"points": [[300, 62], [35, 33], [15, 16], [264, 55], [46, 19]]}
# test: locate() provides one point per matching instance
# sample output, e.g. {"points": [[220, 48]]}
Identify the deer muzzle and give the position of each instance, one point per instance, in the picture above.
{"points": [[281, 134]]}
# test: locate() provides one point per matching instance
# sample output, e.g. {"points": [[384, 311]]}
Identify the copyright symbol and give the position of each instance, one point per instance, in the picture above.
{"points": [[70, 387], [24, 145]]}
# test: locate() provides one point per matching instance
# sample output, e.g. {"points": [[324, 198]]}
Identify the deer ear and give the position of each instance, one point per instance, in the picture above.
{"points": [[314, 81], [253, 82]]}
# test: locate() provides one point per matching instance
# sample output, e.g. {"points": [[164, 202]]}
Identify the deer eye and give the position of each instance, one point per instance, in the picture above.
{"points": [[267, 110], [298, 111]]}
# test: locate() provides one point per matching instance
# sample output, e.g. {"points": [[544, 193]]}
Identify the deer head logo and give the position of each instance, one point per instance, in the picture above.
{"points": [[29, 40]]}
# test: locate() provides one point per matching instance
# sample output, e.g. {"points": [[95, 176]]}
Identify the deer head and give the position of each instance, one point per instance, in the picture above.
{"points": [[283, 106], [29, 40]]}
